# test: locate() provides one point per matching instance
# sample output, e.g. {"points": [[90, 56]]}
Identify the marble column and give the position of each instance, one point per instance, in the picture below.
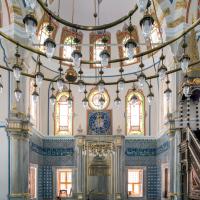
{"points": [[18, 134], [119, 166], [80, 167]]}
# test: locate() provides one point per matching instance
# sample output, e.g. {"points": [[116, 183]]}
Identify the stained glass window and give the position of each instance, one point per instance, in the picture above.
{"points": [[43, 34], [33, 182], [97, 46], [135, 182], [63, 115], [135, 114], [122, 37], [64, 182], [68, 47]]}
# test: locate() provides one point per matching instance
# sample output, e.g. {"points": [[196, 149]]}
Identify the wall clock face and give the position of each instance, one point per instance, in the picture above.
{"points": [[94, 97]]}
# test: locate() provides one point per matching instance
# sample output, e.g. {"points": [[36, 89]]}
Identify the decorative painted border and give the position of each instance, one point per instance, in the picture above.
{"points": [[51, 151], [147, 151]]}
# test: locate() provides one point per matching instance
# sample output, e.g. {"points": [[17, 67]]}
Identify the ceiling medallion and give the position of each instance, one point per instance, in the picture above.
{"points": [[98, 100]]}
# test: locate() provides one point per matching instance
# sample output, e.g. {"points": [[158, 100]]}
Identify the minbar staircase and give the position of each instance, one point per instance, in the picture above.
{"points": [[190, 164]]}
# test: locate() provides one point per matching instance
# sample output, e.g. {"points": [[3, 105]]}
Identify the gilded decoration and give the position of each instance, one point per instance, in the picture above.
{"points": [[95, 38], [122, 37], [67, 37], [63, 116], [93, 99], [135, 114]]}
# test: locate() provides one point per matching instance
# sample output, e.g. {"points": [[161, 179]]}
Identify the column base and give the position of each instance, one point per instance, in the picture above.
{"points": [[118, 196], [80, 196], [19, 196]]}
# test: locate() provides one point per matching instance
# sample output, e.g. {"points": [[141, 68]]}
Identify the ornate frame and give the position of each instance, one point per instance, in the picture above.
{"points": [[142, 97], [66, 32], [111, 118], [94, 36], [106, 94], [120, 37]]}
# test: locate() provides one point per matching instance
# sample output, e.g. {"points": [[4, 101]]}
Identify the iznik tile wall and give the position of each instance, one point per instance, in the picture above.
{"points": [[148, 153]]}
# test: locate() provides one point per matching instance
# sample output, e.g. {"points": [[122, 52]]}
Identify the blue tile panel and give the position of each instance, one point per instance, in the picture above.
{"points": [[153, 182], [147, 151], [52, 151]]}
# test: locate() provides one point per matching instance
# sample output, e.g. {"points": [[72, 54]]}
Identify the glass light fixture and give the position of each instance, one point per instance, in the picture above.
{"points": [[35, 96], [76, 56], [1, 88], [142, 5], [167, 93], [50, 46], [39, 77], [85, 102], [185, 60], [52, 99], [105, 56], [17, 71], [186, 89], [18, 92], [117, 101], [141, 78], [134, 100], [60, 84], [146, 24], [101, 101], [81, 86], [101, 85], [30, 23], [121, 84], [69, 101], [162, 72], [150, 97], [130, 45], [30, 4]]}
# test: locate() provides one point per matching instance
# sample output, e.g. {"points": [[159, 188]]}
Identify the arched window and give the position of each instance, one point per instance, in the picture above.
{"points": [[67, 39], [63, 115], [97, 46], [42, 33], [122, 37], [135, 113]]}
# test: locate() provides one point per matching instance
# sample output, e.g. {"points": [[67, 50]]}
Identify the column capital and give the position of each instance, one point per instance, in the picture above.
{"points": [[18, 124], [118, 140]]}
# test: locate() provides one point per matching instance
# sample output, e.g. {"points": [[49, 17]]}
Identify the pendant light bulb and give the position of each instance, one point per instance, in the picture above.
{"points": [[104, 56], [17, 92], [76, 56], [146, 24], [134, 100], [150, 98], [142, 5], [81, 86], [17, 72], [50, 46], [30, 23], [39, 77], [121, 84], [85, 102], [141, 79], [186, 89], [185, 60], [162, 72], [101, 86], [70, 102], [130, 46], [60, 84], [1, 88], [35, 96], [30, 4], [52, 99], [117, 101], [168, 93]]}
